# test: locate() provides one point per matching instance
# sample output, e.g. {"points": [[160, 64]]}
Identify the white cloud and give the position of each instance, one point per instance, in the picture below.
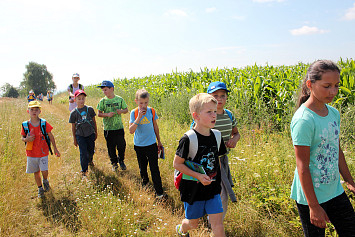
{"points": [[239, 18], [176, 12], [350, 13], [211, 9], [307, 30], [263, 1]]}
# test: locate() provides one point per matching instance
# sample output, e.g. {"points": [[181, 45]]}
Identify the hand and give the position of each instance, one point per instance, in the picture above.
{"points": [[30, 138], [142, 111], [56, 152], [231, 143], [75, 142], [318, 216], [160, 147], [205, 179], [111, 114], [71, 100], [351, 188], [119, 111], [95, 136]]}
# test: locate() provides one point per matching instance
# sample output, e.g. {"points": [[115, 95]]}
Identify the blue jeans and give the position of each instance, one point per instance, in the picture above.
{"points": [[87, 150], [340, 213]]}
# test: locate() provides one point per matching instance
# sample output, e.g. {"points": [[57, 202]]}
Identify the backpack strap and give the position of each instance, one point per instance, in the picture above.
{"points": [[193, 143], [229, 114], [26, 126], [44, 132], [218, 136]]}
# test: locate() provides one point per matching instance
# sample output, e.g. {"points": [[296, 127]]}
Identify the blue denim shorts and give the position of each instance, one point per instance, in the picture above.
{"points": [[200, 208]]}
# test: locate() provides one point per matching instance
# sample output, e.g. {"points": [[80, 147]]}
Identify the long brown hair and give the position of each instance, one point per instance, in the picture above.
{"points": [[314, 73]]}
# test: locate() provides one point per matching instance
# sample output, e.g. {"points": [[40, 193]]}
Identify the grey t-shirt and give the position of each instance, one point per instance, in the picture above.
{"points": [[83, 120]]}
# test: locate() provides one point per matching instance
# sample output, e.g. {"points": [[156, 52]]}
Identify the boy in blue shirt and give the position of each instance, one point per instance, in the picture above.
{"points": [[143, 123]]}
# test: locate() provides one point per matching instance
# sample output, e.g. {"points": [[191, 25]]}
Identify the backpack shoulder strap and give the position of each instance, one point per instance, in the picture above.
{"points": [[80, 86], [193, 143], [153, 112], [218, 136], [26, 125], [229, 114], [135, 113], [71, 88], [192, 124], [44, 132]]}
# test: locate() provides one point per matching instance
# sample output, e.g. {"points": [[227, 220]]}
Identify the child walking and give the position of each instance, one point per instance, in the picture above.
{"points": [[143, 123], [315, 129], [202, 197], [227, 125], [84, 130], [110, 109], [49, 97], [71, 90], [37, 135]]}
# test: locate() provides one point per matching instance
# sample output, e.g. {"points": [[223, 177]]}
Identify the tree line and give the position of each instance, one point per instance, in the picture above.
{"points": [[36, 78]]}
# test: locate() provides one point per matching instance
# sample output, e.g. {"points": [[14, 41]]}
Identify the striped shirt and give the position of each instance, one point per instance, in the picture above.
{"points": [[225, 125]]}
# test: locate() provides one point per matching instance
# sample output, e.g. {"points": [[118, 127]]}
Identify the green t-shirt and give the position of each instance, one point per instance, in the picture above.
{"points": [[107, 105], [321, 134]]}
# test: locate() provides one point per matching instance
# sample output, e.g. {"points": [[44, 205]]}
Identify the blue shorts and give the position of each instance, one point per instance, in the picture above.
{"points": [[200, 208]]}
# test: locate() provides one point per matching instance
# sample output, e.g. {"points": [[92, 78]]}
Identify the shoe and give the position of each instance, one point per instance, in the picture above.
{"points": [[115, 167], [179, 232], [40, 192], [91, 164], [159, 197], [122, 164], [46, 185], [84, 173]]}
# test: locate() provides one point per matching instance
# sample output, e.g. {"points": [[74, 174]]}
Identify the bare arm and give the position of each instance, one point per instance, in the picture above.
{"points": [[103, 115], [122, 111], [95, 126], [156, 130], [180, 166], [317, 215], [51, 137], [73, 130], [232, 142], [133, 126], [345, 172]]}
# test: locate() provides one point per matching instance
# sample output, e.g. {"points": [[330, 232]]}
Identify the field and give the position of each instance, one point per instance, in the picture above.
{"points": [[115, 204]]}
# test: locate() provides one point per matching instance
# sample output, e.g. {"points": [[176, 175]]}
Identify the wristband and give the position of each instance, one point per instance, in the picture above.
{"points": [[135, 123]]}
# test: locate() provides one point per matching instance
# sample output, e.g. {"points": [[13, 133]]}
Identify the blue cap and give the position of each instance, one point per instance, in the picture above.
{"points": [[106, 84], [215, 86]]}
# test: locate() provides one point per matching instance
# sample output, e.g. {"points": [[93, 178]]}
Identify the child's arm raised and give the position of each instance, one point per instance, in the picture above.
{"points": [[317, 214], [179, 164], [51, 137], [344, 171], [133, 126]]}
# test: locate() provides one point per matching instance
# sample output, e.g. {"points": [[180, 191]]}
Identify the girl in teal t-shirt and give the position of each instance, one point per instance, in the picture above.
{"points": [[315, 129]]}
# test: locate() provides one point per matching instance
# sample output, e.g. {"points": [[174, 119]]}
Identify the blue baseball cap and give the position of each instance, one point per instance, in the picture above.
{"points": [[106, 84], [215, 86]]}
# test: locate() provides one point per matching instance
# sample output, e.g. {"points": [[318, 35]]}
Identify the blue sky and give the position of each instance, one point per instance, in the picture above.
{"points": [[103, 40]]}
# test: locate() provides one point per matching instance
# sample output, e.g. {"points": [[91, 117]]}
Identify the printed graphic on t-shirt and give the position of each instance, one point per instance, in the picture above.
{"points": [[327, 156], [144, 120], [209, 160]]}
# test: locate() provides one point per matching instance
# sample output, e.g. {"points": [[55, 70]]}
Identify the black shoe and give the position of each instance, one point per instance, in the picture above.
{"points": [[122, 165]]}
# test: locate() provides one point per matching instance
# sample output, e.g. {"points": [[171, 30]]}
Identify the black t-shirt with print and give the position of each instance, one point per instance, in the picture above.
{"points": [[207, 155]]}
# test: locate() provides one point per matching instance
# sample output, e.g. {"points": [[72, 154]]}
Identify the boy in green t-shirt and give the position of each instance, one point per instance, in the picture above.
{"points": [[110, 108]]}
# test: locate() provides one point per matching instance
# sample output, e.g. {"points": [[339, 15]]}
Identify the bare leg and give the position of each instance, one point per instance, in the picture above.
{"points": [[187, 224], [38, 178], [45, 174], [216, 221]]}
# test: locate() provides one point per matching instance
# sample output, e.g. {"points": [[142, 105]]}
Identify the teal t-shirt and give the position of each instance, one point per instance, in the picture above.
{"points": [[107, 105], [321, 134]]}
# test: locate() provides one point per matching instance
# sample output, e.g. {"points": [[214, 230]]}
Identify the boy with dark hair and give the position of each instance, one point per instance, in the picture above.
{"points": [[143, 123], [37, 135], [84, 130], [203, 196], [110, 109]]}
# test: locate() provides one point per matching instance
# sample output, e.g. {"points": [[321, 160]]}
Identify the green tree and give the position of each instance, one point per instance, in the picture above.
{"points": [[37, 78], [9, 91]]}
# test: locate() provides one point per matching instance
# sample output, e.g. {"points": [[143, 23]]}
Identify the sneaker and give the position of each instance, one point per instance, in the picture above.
{"points": [[46, 185], [115, 167], [40, 192], [84, 173], [122, 165], [179, 232]]}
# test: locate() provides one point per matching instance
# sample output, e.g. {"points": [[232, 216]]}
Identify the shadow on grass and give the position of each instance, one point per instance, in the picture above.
{"points": [[61, 211], [101, 180]]}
